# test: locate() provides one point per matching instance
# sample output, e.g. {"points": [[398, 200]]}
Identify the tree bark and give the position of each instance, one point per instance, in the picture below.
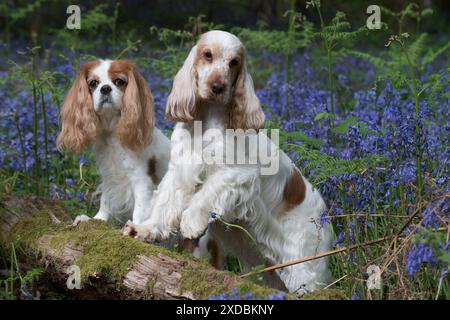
{"points": [[42, 228]]}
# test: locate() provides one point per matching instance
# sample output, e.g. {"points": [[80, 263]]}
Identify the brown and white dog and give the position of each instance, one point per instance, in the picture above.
{"points": [[110, 107], [281, 210]]}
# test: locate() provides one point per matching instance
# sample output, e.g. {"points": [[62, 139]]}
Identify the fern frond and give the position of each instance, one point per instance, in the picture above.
{"points": [[378, 62], [322, 166], [416, 48], [431, 55]]}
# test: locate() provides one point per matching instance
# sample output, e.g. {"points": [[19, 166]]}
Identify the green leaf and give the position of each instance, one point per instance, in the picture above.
{"points": [[343, 126], [300, 136], [445, 257], [323, 115]]}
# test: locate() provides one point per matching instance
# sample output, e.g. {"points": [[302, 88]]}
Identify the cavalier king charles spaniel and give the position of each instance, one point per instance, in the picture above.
{"points": [[110, 107], [281, 211]]}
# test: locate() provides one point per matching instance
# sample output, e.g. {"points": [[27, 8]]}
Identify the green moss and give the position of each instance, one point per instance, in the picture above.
{"points": [[203, 281], [325, 294], [257, 290], [106, 252], [27, 231]]}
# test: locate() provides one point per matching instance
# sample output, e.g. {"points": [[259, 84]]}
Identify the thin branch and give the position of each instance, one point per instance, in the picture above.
{"points": [[336, 281], [321, 255]]}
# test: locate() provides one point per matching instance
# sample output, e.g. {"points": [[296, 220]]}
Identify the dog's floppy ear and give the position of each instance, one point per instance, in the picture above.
{"points": [[137, 117], [182, 99], [246, 112], [78, 118]]}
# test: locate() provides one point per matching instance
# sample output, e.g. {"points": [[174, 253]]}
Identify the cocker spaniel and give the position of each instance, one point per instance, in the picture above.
{"points": [[212, 182]]}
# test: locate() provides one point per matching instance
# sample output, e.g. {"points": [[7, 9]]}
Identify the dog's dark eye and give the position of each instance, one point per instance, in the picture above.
{"points": [[208, 55], [119, 82], [93, 84], [234, 63]]}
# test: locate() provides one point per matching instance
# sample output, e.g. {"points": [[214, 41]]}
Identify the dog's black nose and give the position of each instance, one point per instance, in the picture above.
{"points": [[105, 89], [217, 87]]}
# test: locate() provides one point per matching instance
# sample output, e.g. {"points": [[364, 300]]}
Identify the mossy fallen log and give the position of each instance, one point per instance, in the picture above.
{"points": [[111, 265]]}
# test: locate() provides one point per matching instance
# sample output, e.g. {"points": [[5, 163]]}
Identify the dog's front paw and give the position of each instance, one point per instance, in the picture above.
{"points": [[137, 232], [193, 224], [80, 218]]}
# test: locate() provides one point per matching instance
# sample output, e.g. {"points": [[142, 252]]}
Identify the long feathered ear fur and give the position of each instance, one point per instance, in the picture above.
{"points": [[246, 112], [137, 117], [182, 99], [78, 119]]}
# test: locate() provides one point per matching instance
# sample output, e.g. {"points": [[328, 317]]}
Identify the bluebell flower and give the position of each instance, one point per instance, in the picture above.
{"points": [[339, 239], [81, 196], [83, 160], [356, 296], [419, 254]]}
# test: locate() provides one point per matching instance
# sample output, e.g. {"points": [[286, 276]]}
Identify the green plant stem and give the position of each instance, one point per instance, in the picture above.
{"points": [[114, 25], [7, 24], [329, 65], [291, 33], [322, 24], [36, 141], [231, 225], [330, 83], [130, 46], [417, 107], [11, 275], [44, 118], [22, 148]]}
